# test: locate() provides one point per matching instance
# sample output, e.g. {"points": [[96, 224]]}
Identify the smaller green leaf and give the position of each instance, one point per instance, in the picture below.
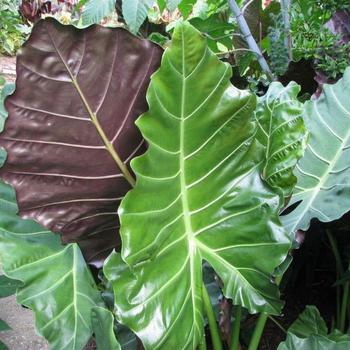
{"points": [[309, 322], [216, 30], [102, 325], [135, 12], [161, 5], [314, 342], [96, 10], [7, 90], [323, 188], [8, 286], [186, 7], [4, 326], [158, 38], [282, 132], [309, 332]]}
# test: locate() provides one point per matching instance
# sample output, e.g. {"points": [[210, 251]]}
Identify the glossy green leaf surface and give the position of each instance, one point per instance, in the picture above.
{"points": [[8, 286], [57, 284], [309, 332], [102, 325], [309, 322], [4, 326], [96, 10], [323, 187], [135, 12], [282, 131], [198, 196]]}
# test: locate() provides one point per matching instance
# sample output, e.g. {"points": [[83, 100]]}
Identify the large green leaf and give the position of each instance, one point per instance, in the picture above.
{"points": [[102, 323], [281, 130], [198, 196], [135, 12], [96, 10], [323, 187], [57, 284]]}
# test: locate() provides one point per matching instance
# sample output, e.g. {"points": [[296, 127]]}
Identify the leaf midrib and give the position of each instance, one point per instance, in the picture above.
{"points": [[123, 168], [184, 194]]}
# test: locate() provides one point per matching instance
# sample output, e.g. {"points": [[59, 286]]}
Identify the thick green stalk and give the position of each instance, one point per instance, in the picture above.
{"points": [[344, 307], [214, 330], [236, 328], [339, 272], [258, 331]]}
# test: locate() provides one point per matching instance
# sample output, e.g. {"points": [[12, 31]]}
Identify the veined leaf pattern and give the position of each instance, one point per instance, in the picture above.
{"points": [[281, 130], [323, 187], [57, 284], [198, 196], [70, 133]]}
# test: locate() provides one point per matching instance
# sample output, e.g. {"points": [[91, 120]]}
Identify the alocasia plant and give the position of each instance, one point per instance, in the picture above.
{"points": [[70, 133], [282, 131], [323, 173], [198, 196]]}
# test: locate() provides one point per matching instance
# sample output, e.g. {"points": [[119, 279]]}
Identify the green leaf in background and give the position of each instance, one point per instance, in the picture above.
{"points": [[323, 187], [102, 325], [96, 10], [282, 131], [8, 286], [4, 326], [309, 322], [186, 7], [161, 4], [216, 30], [7, 90], [309, 332], [135, 12], [198, 196], [172, 4]]}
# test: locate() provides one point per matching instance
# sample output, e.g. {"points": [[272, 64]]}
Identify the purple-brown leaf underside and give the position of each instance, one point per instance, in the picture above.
{"points": [[63, 174]]}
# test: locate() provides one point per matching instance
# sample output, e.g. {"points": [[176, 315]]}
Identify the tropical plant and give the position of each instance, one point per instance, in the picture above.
{"points": [[125, 232], [12, 30]]}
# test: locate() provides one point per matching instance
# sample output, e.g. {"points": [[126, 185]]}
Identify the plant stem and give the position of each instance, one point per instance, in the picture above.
{"points": [[214, 330], [277, 324], [285, 9], [236, 328], [339, 272], [344, 307], [244, 28], [258, 331]]}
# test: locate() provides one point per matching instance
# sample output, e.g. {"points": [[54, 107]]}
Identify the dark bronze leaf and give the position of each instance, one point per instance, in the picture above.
{"points": [[71, 121]]}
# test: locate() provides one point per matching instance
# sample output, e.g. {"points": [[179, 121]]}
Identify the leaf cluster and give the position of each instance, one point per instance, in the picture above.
{"points": [[12, 30], [312, 40]]}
